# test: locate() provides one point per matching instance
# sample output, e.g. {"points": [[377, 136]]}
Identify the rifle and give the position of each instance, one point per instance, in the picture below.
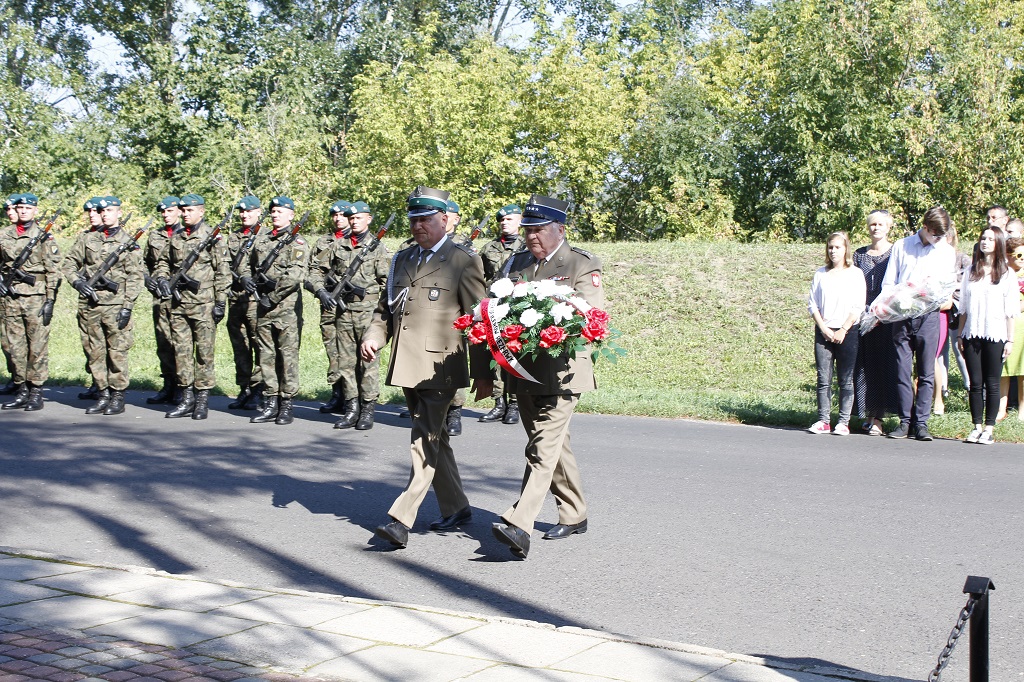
{"points": [[264, 283], [99, 280], [479, 228], [181, 280], [344, 289], [246, 247], [13, 273]]}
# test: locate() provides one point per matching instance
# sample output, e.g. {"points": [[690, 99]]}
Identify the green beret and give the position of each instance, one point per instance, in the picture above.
{"points": [[108, 201], [12, 200], [283, 202], [511, 209], [452, 207], [28, 199], [92, 204], [248, 203], [192, 200], [427, 201], [340, 206], [358, 207], [168, 202], [541, 210]]}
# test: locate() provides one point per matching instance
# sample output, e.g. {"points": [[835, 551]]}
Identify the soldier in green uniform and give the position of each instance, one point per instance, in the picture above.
{"points": [[195, 314], [156, 250], [28, 295], [12, 215], [359, 378], [495, 254], [339, 212], [242, 305], [278, 269], [105, 315], [95, 220]]}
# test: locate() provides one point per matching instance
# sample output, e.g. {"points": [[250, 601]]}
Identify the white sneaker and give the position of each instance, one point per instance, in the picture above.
{"points": [[841, 430], [986, 438], [821, 427], [973, 436]]}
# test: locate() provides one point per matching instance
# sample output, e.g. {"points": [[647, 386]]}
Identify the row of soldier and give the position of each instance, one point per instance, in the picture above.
{"points": [[200, 274]]}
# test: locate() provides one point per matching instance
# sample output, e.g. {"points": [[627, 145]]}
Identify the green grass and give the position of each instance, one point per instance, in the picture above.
{"points": [[715, 331]]}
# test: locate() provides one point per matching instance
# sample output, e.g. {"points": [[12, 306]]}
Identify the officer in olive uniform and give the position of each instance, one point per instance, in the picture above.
{"points": [[105, 312], [242, 316], [428, 288], [156, 250], [28, 295], [95, 220], [495, 254], [195, 314], [278, 268], [320, 255], [547, 407], [12, 215], [359, 379]]}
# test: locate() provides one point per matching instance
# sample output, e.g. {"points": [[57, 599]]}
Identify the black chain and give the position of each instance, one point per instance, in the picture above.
{"points": [[954, 635]]}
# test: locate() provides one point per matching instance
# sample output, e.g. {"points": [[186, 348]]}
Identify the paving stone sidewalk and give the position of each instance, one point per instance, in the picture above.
{"points": [[68, 621]]}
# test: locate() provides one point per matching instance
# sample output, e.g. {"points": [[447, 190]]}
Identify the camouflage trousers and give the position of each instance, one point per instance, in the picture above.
{"points": [[5, 348], [329, 335], [27, 339], [242, 321], [164, 346], [106, 347], [278, 335], [194, 335], [359, 379]]}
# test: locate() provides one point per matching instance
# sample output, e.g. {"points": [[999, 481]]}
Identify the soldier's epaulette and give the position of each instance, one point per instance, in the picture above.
{"points": [[406, 244], [468, 248], [583, 252]]}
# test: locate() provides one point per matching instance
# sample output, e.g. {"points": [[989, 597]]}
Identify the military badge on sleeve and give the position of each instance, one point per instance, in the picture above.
{"points": [[595, 278]]}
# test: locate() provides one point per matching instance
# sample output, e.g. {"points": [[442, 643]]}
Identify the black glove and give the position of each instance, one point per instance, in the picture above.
{"points": [[3, 289], [248, 283], [46, 312], [265, 302], [163, 287], [325, 299], [83, 288], [218, 311], [123, 316], [151, 285]]}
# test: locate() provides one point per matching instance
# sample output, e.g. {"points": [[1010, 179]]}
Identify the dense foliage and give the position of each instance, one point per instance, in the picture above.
{"points": [[660, 118]]}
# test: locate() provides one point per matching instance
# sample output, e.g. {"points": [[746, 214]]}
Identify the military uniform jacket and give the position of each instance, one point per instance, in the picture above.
{"points": [[372, 273], [44, 262], [86, 257], [212, 268], [572, 267], [319, 258], [235, 241], [289, 270], [426, 351], [496, 253], [156, 247]]}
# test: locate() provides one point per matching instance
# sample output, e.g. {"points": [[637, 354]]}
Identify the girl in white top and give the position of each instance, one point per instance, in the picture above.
{"points": [[989, 302], [837, 298]]}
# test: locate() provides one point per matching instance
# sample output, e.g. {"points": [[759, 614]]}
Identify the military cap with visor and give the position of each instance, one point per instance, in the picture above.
{"points": [[427, 201], [541, 210]]}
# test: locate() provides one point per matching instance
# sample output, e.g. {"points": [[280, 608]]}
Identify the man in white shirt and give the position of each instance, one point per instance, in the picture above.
{"points": [[913, 259]]}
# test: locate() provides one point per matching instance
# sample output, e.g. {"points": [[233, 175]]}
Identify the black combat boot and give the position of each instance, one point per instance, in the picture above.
{"points": [[284, 412], [255, 398], [512, 413], [35, 399], [244, 396], [91, 393], [10, 388], [102, 401], [20, 398], [366, 410], [165, 396], [351, 415], [269, 412], [185, 405], [337, 401], [202, 408], [497, 412], [116, 404], [453, 421]]}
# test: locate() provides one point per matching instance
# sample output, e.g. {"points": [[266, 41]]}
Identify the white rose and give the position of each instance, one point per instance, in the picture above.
{"points": [[562, 312], [502, 288], [520, 290], [530, 317]]}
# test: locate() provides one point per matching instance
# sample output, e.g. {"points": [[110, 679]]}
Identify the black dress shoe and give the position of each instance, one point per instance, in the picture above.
{"points": [[564, 530], [454, 521], [922, 434], [396, 532], [901, 431], [517, 539]]}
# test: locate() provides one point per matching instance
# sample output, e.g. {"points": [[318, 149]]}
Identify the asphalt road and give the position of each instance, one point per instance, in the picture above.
{"points": [[851, 551]]}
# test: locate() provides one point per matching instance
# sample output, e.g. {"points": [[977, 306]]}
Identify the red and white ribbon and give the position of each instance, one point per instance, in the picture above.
{"points": [[496, 344]]}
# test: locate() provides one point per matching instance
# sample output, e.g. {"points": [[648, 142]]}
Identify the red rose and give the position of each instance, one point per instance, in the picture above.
{"points": [[464, 322], [598, 315], [513, 331], [478, 333], [594, 331], [552, 336], [514, 345]]}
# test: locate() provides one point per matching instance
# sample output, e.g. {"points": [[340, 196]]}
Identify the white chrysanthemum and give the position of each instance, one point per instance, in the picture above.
{"points": [[563, 290], [502, 288], [500, 311], [580, 304], [562, 312], [520, 290], [530, 317], [545, 288]]}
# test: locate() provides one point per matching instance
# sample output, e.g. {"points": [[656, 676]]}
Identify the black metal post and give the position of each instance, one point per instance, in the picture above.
{"points": [[979, 588]]}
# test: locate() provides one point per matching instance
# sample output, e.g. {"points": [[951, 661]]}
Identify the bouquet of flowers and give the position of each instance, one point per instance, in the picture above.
{"points": [[908, 300], [529, 318]]}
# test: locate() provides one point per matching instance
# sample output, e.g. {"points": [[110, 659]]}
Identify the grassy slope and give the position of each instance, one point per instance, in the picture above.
{"points": [[713, 330]]}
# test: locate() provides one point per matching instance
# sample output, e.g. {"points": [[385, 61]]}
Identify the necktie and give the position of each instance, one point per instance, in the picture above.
{"points": [[424, 253]]}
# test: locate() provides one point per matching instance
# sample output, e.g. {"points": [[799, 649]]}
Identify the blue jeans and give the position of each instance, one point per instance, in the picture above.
{"points": [[844, 357]]}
